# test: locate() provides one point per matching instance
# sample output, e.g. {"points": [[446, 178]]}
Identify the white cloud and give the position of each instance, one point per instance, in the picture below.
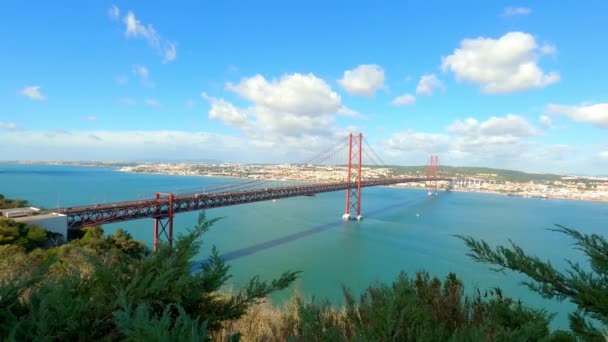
{"points": [[141, 71], [295, 109], [596, 114], [425, 143], [160, 144], [427, 84], [152, 102], [91, 118], [9, 126], [33, 92], [545, 121], [603, 155], [170, 53], [502, 142], [114, 12], [513, 11], [365, 79], [508, 126], [503, 65], [292, 94], [345, 111], [226, 112], [548, 49], [404, 100], [135, 29]]}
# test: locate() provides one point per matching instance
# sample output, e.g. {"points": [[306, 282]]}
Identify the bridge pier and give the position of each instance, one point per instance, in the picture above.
{"points": [[353, 193], [352, 217], [164, 225]]}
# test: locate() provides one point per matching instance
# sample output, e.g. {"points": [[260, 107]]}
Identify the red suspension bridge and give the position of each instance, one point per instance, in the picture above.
{"points": [[164, 206]]}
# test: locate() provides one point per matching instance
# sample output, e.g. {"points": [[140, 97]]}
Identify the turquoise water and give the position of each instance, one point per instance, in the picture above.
{"points": [[403, 229]]}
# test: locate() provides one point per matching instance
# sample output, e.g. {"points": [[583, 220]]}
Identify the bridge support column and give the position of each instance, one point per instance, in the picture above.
{"points": [[163, 225], [353, 174]]}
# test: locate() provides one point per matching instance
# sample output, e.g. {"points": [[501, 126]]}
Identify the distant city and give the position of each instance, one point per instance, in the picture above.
{"points": [[506, 182]]}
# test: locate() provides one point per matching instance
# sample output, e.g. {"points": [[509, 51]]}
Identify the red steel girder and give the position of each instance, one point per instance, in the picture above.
{"points": [[163, 207]]}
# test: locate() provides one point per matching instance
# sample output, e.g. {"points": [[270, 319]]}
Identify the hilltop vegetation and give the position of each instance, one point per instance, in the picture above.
{"points": [[6, 203], [499, 175]]}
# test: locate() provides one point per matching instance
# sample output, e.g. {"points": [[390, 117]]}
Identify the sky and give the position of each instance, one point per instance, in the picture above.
{"points": [[479, 83]]}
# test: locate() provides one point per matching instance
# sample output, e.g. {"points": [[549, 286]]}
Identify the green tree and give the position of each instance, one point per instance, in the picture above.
{"points": [[587, 287], [21, 234], [6, 203], [79, 292]]}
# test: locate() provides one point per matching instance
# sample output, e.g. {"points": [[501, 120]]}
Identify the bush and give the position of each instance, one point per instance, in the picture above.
{"points": [[21, 234], [85, 291], [585, 287], [409, 309]]}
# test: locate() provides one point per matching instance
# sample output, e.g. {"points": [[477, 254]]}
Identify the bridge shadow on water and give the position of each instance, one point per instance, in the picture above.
{"points": [[239, 253]]}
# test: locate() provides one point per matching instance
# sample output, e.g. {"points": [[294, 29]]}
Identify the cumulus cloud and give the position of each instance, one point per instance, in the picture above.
{"points": [[9, 126], [345, 111], [140, 145], [365, 80], [545, 121], [513, 11], [427, 84], [504, 65], [596, 114], [510, 125], [293, 111], [404, 100], [134, 28], [503, 142], [33, 92], [170, 53]]}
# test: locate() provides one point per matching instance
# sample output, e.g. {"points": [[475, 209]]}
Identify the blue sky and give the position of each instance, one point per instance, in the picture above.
{"points": [[498, 84]]}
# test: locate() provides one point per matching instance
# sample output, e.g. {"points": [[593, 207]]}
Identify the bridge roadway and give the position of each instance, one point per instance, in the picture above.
{"points": [[159, 208]]}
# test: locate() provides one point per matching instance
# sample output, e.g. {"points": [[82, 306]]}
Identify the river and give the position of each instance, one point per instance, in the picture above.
{"points": [[403, 229]]}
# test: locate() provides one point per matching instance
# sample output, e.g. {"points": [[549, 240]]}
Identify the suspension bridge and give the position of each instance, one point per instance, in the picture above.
{"points": [[164, 206]]}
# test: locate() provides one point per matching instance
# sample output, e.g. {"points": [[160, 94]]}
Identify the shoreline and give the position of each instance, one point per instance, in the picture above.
{"points": [[498, 193], [175, 172]]}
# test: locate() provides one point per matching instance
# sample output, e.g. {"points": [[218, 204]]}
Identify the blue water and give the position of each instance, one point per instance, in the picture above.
{"points": [[403, 229]]}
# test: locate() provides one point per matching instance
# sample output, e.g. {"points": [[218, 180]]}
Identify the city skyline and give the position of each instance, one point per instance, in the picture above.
{"points": [[500, 85]]}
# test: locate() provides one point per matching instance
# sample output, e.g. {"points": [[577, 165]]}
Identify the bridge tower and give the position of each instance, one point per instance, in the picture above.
{"points": [[164, 221], [353, 178], [433, 171]]}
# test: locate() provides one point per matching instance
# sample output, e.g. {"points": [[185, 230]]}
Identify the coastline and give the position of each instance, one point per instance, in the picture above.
{"points": [[408, 186]]}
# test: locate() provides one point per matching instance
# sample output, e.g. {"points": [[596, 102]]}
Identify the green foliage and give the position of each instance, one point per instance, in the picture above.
{"points": [[21, 234], [6, 203], [424, 309], [585, 287], [409, 309], [112, 289]]}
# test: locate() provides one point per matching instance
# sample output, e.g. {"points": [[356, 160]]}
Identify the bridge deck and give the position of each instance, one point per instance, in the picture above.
{"points": [[159, 208]]}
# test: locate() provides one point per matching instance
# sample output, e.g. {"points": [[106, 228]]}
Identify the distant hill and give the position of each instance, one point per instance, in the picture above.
{"points": [[481, 172]]}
